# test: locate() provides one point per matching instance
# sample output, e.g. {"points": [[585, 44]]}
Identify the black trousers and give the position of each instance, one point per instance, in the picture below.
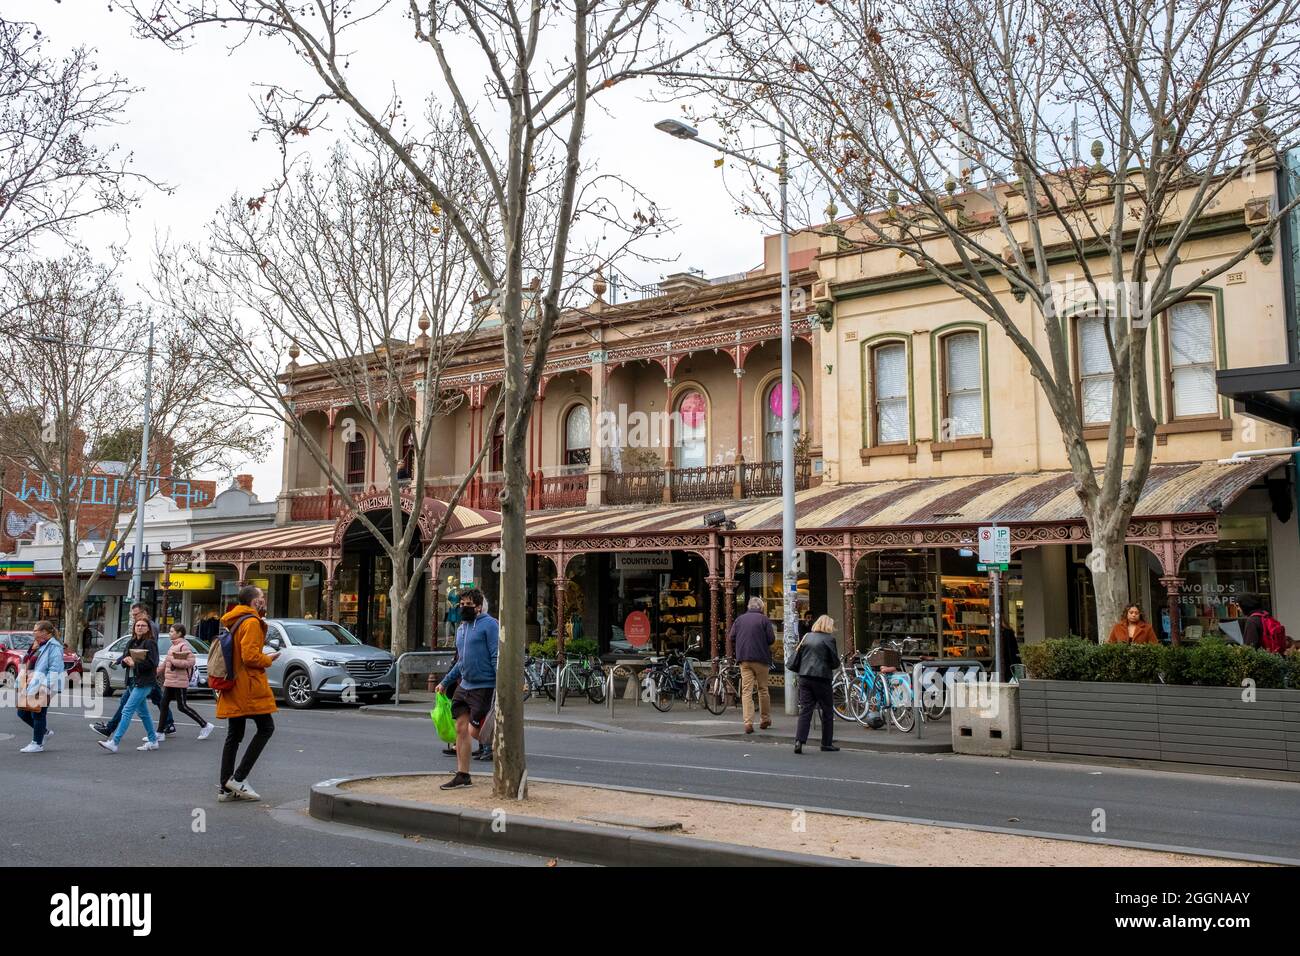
{"points": [[177, 694], [815, 692], [235, 736]]}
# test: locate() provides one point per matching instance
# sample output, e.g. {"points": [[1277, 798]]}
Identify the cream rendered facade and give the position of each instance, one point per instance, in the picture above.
{"points": [[880, 298]]}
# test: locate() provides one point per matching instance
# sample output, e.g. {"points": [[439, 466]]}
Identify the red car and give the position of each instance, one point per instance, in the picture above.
{"points": [[14, 646]]}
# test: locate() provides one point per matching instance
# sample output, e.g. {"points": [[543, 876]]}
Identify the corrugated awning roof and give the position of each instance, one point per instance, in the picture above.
{"points": [[297, 536], [1174, 490]]}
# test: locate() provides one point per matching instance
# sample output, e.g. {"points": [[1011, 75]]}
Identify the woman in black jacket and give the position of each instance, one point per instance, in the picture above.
{"points": [[142, 657], [816, 660]]}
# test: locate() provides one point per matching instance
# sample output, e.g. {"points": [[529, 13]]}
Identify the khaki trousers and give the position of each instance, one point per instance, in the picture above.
{"points": [[754, 673]]}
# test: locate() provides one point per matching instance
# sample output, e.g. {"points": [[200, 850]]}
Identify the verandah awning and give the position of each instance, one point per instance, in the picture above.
{"points": [[1046, 498]]}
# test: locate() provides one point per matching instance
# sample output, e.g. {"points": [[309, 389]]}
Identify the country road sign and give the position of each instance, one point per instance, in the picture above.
{"points": [[995, 545]]}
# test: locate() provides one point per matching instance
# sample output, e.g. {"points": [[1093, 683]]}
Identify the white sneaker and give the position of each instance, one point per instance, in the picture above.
{"points": [[147, 746], [206, 732], [159, 737], [242, 790], [108, 745], [225, 796], [48, 733], [32, 748]]}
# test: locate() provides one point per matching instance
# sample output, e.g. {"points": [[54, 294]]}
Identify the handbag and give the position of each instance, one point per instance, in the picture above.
{"points": [[792, 662], [32, 702]]}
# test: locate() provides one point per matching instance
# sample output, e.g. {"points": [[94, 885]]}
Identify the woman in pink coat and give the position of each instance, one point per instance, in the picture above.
{"points": [[177, 667]]}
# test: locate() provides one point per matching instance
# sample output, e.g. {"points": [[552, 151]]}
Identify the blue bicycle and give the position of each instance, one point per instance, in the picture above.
{"points": [[866, 694]]}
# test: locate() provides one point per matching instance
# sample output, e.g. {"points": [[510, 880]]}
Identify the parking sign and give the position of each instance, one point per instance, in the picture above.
{"points": [[995, 545]]}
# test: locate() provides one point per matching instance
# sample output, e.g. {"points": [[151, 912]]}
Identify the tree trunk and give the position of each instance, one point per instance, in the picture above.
{"points": [[399, 614], [1108, 564], [508, 777], [73, 604]]}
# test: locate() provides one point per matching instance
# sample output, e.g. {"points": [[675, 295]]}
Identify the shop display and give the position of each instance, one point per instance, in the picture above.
{"points": [[901, 601], [967, 619]]}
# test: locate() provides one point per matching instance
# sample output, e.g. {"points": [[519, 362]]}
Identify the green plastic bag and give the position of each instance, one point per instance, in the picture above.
{"points": [[442, 719]]}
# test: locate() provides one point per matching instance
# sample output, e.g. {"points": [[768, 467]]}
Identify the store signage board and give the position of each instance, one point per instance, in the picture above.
{"points": [[636, 629], [995, 545], [643, 561], [991, 567], [192, 581], [467, 571], [287, 567]]}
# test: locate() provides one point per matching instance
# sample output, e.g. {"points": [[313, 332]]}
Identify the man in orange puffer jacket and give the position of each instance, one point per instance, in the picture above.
{"points": [[250, 697]]}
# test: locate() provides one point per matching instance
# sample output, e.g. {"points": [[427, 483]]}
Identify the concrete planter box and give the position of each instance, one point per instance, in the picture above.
{"points": [[985, 719], [1205, 725]]}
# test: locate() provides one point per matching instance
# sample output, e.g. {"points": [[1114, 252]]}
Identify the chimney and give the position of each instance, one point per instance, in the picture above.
{"points": [[681, 282], [244, 483]]}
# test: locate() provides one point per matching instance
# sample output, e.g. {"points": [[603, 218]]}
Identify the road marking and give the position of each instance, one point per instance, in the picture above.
{"points": [[687, 766]]}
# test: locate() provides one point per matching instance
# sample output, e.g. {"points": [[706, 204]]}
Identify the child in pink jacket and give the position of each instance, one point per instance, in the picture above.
{"points": [[177, 667]]}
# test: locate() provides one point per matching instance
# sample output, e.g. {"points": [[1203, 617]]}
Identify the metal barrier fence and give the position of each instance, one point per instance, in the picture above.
{"points": [[447, 656]]}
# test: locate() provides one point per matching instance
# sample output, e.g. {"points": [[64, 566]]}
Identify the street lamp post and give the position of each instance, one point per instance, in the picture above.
{"points": [[789, 583]]}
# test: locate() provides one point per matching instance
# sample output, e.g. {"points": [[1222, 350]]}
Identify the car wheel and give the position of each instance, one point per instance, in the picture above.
{"points": [[382, 699], [103, 686], [298, 692]]}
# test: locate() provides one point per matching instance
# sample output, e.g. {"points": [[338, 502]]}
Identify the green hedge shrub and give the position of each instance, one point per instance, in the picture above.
{"points": [[581, 647], [1210, 663]]}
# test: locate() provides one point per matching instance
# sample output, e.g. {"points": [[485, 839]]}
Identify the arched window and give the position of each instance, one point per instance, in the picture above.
{"points": [[772, 419], [891, 421], [356, 461], [691, 431], [406, 467], [1189, 332], [499, 445], [577, 436], [963, 386]]}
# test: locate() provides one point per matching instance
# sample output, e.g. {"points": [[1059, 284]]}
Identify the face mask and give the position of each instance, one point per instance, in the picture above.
{"points": [[468, 612]]}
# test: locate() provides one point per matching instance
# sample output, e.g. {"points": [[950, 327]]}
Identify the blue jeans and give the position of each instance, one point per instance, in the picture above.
{"points": [[154, 695], [36, 721], [139, 700]]}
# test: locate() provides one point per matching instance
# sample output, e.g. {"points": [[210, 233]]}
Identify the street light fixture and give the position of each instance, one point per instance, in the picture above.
{"points": [[790, 631]]}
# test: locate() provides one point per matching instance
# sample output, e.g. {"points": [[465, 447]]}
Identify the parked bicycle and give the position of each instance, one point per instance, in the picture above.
{"points": [[586, 676], [539, 677], [869, 695], [721, 687], [934, 703], [673, 677]]}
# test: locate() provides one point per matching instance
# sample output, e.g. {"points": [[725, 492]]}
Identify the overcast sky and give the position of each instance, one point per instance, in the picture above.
{"points": [[190, 126]]}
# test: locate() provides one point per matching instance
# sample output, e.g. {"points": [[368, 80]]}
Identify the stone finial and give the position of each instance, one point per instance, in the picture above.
{"points": [[950, 185], [293, 356], [832, 211], [599, 285], [424, 322]]}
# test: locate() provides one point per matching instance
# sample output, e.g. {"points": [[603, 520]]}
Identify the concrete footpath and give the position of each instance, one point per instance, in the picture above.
{"points": [[580, 714]]}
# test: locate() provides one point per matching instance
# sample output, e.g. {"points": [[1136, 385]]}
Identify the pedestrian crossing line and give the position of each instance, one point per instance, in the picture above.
{"points": [[686, 766]]}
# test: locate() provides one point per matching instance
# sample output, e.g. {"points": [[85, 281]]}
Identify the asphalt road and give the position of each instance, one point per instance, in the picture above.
{"points": [[138, 808]]}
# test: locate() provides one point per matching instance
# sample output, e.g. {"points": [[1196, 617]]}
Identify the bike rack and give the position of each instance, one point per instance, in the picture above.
{"points": [[397, 694], [630, 671], [561, 682]]}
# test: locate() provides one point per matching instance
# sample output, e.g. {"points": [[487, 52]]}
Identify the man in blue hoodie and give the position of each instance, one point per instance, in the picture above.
{"points": [[477, 638]]}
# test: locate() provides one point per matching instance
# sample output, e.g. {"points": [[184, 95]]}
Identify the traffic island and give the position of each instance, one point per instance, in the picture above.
{"points": [[621, 827]]}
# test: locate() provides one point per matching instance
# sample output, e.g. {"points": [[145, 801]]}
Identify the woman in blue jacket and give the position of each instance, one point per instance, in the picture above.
{"points": [[44, 666]]}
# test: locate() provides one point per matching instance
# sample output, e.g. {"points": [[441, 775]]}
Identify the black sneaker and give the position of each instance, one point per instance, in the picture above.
{"points": [[831, 749], [460, 780], [101, 728], [449, 751], [484, 754]]}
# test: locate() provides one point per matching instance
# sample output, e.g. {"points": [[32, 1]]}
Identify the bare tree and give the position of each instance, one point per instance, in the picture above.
{"points": [[353, 271], [519, 77], [951, 128], [66, 394], [53, 171]]}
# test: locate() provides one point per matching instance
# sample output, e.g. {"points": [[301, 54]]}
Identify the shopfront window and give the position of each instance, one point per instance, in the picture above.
{"points": [[772, 419], [692, 431], [1192, 390], [1218, 577]]}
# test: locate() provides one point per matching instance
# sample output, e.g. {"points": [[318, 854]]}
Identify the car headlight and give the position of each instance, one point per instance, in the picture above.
{"points": [[327, 662]]}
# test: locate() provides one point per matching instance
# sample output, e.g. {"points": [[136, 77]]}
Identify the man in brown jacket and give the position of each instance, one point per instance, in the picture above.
{"points": [[250, 697], [752, 636]]}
